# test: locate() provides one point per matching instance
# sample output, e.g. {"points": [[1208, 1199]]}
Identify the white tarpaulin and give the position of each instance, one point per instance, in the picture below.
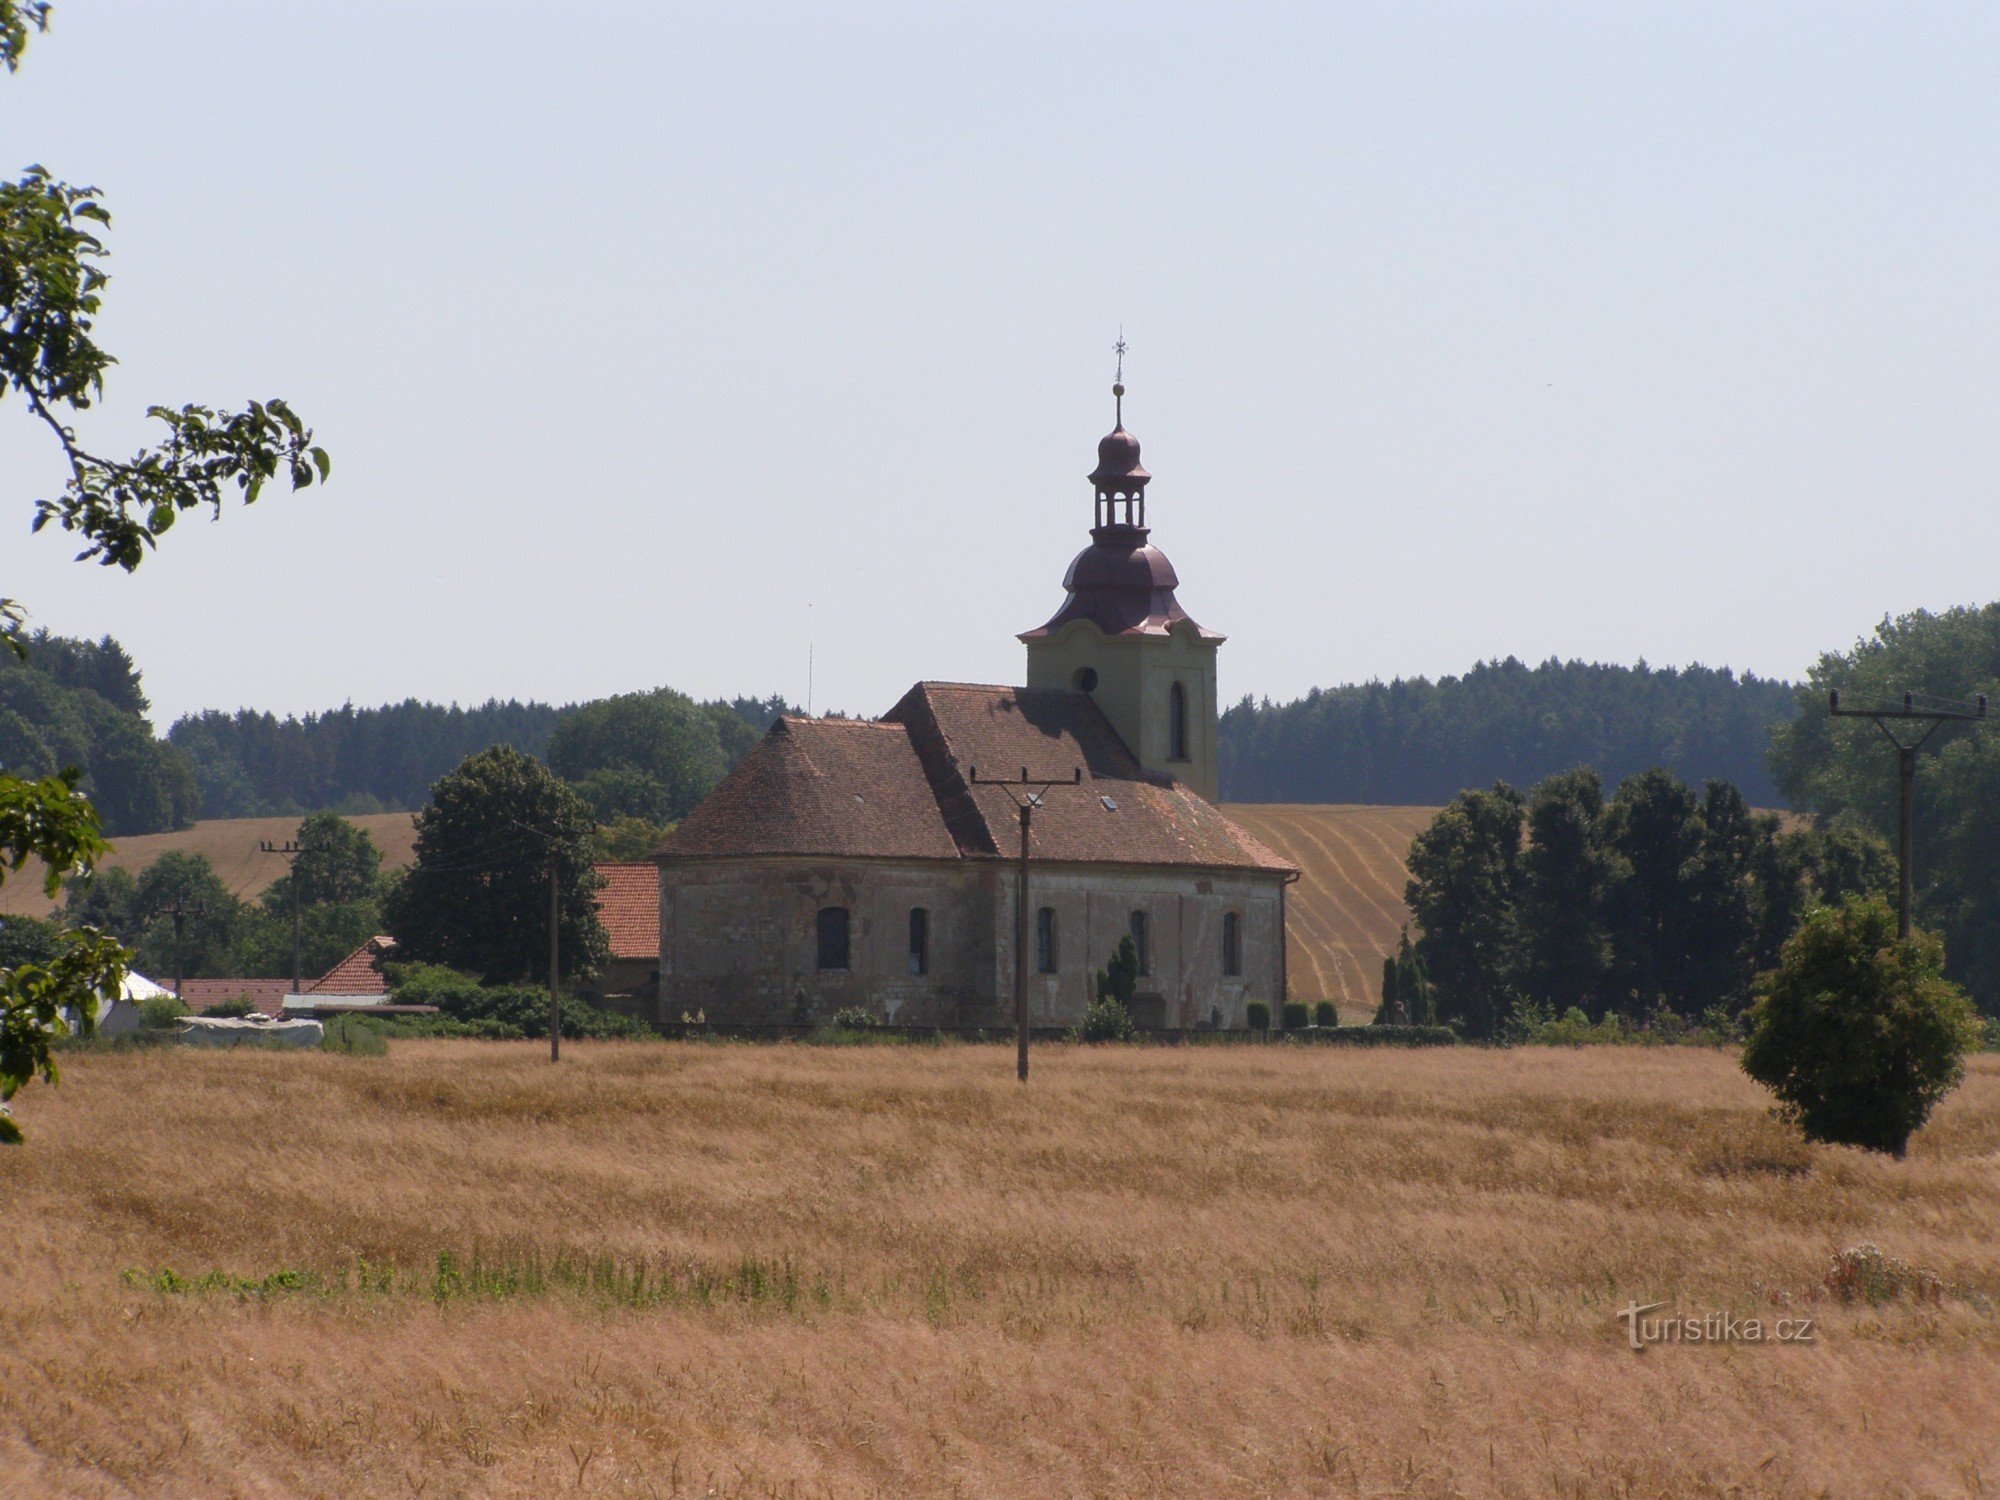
{"points": [[232, 1031]]}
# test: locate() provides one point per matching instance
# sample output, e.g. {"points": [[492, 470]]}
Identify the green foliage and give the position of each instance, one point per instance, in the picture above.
{"points": [[1464, 883], [1842, 768], [627, 839], [52, 281], [229, 1009], [337, 862], [79, 703], [1119, 980], [28, 940], [647, 755], [1326, 1013], [1296, 1015], [1417, 742], [1104, 1020], [1406, 988], [356, 1036], [1857, 1031], [159, 1012], [853, 1018], [1257, 1015], [500, 1011], [477, 897]]}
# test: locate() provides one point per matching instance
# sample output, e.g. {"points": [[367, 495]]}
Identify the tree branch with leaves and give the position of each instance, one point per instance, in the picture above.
{"points": [[52, 281]]}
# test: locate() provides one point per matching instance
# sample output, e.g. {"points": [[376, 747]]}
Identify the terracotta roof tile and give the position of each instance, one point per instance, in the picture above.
{"points": [[838, 787], [360, 973], [265, 995], [628, 904]]}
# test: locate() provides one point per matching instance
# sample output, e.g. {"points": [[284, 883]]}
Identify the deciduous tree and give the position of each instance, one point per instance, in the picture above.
{"points": [[477, 897]]}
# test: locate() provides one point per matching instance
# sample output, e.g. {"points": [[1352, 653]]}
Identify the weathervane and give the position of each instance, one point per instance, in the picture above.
{"points": [[1118, 380]]}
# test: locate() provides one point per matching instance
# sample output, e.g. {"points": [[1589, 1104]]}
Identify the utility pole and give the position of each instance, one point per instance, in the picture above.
{"points": [[180, 911], [291, 851], [555, 995], [1906, 769], [1027, 793]]}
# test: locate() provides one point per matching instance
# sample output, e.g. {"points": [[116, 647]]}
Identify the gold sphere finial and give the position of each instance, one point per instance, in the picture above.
{"points": [[1118, 388]]}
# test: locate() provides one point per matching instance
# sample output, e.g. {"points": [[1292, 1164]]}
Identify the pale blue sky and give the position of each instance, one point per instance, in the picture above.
{"points": [[652, 343]]}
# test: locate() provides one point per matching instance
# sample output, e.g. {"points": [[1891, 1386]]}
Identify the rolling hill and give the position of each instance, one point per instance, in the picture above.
{"points": [[231, 846], [1347, 909]]}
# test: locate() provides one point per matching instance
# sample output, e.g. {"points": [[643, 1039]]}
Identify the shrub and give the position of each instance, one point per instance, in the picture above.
{"points": [[1120, 978], [161, 1011], [854, 1018], [1296, 1014], [357, 1036], [229, 1009], [508, 1010], [1104, 1021], [1325, 1014], [1257, 1015], [1862, 1273], [1857, 1031]]}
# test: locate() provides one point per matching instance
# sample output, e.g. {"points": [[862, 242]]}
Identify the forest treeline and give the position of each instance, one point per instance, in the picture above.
{"points": [[652, 755], [1415, 741], [359, 760]]}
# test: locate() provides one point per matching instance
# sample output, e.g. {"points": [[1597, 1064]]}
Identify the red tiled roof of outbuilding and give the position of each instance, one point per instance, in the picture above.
{"points": [[628, 904], [360, 973], [265, 995]]}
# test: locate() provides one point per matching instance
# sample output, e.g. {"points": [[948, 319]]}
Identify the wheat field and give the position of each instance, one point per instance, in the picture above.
{"points": [[1346, 912], [742, 1270]]}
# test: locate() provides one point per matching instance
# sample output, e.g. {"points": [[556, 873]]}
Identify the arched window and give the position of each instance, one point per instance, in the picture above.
{"points": [[833, 937], [1232, 944], [1177, 723], [1045, 940], [1141, 935], [920, 940]]}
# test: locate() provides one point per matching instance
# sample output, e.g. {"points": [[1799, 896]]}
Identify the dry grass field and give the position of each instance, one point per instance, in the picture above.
{"points": [[738, 1270], [231, 846], [1347, 910]]}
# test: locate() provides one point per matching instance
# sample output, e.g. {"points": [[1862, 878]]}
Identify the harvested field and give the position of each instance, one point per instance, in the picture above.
{"points": [[736, 1270], [231, 846], [1347, 910]]}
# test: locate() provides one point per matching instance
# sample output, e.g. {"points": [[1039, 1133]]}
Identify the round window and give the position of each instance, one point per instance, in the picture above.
{"points": [[1085, 679]]}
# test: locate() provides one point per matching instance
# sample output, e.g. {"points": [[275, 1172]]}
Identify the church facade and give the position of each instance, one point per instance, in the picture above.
{"points": [[870, 863]]}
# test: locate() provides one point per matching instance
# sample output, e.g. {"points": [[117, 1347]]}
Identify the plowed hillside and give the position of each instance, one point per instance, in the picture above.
{"points": [[231, 846], [1347, 909]]}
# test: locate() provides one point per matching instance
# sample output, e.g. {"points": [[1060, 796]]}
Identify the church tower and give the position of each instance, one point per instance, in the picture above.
{"points": [[1123, 638]]}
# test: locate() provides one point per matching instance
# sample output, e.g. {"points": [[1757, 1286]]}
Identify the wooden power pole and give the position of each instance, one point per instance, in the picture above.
{"points": [[1906, 771], [1027, 793], [291, 851], [555, 993]]}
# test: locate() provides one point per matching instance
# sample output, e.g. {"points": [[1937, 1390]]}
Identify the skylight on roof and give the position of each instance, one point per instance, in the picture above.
{"points": [[1109, 805]]}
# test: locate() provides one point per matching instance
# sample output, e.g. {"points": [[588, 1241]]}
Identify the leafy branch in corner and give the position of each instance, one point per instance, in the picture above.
{"points": [[52, 282]]}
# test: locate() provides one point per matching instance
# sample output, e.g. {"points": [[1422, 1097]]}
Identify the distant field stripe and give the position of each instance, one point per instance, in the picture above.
{"points": [[1351, 879]]}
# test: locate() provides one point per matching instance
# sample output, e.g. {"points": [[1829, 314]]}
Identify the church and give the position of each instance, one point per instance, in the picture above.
{"points": [[873, 863]]}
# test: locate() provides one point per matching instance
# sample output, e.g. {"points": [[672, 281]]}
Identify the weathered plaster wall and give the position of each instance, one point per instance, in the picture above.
{"points": [[1094, 906], [739, 939]]}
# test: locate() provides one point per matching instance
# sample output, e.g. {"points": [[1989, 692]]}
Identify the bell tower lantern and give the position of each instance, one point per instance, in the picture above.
{"points": [[1122, 637]]}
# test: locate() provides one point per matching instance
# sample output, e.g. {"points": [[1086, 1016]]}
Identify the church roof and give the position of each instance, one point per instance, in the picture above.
{"points": [[901, 787], [849, 787]]}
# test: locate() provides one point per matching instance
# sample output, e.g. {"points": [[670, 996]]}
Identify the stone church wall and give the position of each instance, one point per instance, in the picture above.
{"points": [[740, 943], [1184, 917]]}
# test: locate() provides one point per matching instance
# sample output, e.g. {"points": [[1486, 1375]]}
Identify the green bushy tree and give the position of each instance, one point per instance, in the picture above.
{"points": [[647, 755], [1463, 887], [1857, 1031], [477, 896]]}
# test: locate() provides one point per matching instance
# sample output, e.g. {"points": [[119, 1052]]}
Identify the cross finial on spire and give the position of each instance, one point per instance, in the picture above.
{"points": [[1118, 380]]}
